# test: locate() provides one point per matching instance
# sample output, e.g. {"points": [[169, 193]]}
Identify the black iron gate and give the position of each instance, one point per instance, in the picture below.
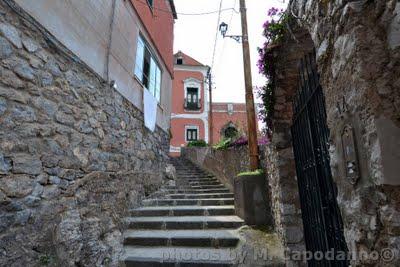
{"points": [[323, 229]]}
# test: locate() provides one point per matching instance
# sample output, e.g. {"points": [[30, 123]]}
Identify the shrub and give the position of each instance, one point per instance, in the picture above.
{"points": [[223, 144], [197, 143]]}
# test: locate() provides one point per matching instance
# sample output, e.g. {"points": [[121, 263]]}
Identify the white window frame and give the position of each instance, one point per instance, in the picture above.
{"points": [[192, 83], [155, 71], [192, 127]]}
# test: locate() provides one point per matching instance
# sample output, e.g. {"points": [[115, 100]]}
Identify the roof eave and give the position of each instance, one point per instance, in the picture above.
{"points": [[171, 2]]}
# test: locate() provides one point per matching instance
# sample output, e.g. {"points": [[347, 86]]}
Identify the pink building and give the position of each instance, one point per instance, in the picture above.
{"points": [[190, 107]]}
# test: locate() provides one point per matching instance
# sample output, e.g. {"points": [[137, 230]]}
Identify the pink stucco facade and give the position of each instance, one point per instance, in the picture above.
{"points": [[187, 121]]}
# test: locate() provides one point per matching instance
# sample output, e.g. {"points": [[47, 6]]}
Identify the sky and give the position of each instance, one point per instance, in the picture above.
{"points": [[195, 36]]}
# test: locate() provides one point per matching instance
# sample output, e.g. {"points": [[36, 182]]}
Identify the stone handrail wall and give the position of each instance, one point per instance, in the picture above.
{"points": [[225, 164]]}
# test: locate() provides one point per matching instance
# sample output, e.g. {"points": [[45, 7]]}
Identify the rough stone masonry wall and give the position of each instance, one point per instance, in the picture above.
{"points": [[227, 164], [74, 154], [279, 155], [358, 52]]}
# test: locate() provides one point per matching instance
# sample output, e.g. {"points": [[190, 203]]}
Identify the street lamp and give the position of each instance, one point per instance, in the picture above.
{"points": [[251, 116], [223, 28]]}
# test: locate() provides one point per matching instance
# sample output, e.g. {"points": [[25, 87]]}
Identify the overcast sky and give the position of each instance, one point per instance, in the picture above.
{"points": [[195, 36]]}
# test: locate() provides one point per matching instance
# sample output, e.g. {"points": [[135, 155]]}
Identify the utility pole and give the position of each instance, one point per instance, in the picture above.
{"points": [[210, 116], [251, 116]]}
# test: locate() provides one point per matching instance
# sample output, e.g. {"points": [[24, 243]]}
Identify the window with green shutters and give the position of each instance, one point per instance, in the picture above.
{"points": [[191, 134], [147, 69]]}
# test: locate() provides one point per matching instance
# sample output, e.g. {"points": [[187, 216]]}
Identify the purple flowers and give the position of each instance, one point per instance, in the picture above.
{"points": [[272, 11], [263, 140], [241, 141], [266, 24]]}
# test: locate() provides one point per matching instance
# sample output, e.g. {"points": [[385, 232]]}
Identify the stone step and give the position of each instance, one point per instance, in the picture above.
{"points": [[194, 187], [184, 222], [205, 183], [172, 194], [184, 210], [191, 172], [182, 202], [195, 191], [206, 186], [139, 256], [210, 179], [200, 196], [190, 238], [194, 176]]}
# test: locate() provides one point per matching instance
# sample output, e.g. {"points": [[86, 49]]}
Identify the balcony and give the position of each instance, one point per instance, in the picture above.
{"points": [[192, 105]]}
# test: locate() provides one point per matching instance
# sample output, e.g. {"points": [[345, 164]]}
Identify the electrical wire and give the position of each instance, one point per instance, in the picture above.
{"points": [[216, 34], [224, 40], [192, 14]]}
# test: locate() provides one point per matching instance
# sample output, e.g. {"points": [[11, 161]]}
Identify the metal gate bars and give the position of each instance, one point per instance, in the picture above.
{"points": [[323, 228]]}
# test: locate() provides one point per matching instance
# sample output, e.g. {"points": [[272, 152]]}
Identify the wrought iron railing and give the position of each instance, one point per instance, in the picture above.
{"points": [[192, 105]]}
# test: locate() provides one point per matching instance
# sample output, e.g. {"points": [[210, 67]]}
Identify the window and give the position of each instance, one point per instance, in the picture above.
{"points": [[179, 61], [192, 134], [192, 95], [230, 109], [230, 132], [192, 101], [147, 69], [150, 2]]}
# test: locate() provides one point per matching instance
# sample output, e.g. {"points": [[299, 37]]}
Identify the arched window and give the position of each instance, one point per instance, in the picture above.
{"points": [[230, 132]]}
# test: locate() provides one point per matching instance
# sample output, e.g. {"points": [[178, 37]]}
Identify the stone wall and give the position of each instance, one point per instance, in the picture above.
{"points": [[74, 154], [357, 47]]}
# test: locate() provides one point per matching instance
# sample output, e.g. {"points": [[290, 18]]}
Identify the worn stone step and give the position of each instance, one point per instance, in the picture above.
{"points": [[206, 186], [139, 256], [181, 202], [164, 192], [191, 172], [205, 183], [200, 196], [196, 191], [190, 238], [184, 222], [194, 187], [208, 179], [197, 176], [184, 210]]}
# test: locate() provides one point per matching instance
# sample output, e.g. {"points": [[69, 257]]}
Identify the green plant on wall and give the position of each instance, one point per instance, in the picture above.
{"points": [[223, 144], [197, 143], [274, 30], [256, 172]]}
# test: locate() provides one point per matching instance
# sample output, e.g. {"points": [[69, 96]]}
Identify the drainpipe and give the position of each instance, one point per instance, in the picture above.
{"points": [[107, 65], [210, 116]]}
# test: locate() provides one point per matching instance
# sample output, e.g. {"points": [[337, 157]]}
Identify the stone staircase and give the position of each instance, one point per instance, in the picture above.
{"points": [[189, 224]]}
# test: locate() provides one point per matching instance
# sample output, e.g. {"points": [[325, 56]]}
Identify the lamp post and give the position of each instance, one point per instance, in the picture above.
{"points": [[251, 116]]}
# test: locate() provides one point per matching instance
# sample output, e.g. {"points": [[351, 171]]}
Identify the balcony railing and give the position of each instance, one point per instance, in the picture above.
{"points": [[192, 105]]}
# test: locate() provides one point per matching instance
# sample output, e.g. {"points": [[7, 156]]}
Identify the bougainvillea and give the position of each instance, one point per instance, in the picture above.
{"points": [[242, 141], [273, 30]]}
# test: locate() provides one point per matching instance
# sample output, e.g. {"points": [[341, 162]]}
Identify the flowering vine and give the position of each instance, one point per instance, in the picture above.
{"points": [[273, 30]]}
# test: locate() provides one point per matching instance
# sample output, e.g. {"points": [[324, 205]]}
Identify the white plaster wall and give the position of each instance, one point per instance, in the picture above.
{"points": [[83, 26]]}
